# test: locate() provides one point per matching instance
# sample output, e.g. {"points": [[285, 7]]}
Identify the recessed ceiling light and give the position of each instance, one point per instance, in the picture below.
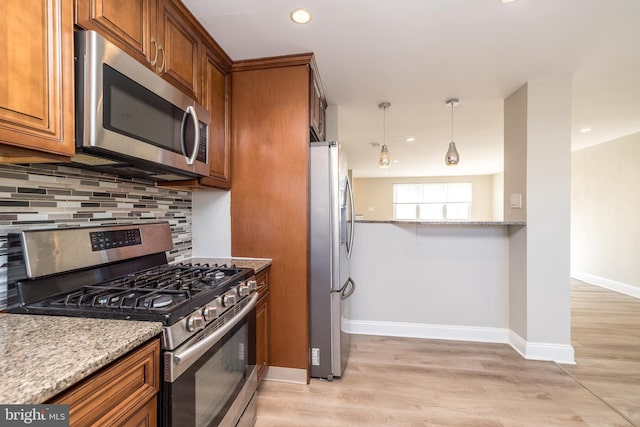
{"points": [[300, 16], [411, 139], [507, 1], [396, 161], [585, 130]]}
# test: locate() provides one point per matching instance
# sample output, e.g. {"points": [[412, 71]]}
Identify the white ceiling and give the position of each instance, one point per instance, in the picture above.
{"points": [[418, 53]]}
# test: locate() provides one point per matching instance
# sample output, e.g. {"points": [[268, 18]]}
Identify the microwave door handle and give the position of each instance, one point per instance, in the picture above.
{"points": [[190, 111]]}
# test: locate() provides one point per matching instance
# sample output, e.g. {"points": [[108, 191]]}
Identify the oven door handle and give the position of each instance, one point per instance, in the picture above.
{"points": [[179, 361]]}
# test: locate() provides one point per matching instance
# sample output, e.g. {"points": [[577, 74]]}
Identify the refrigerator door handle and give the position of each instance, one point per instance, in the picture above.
{"points": [[352, 219], [346, 293], [346, 289]]}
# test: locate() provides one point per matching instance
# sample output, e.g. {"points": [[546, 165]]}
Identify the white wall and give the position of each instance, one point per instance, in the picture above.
{"points": [[538, 124], [497, 182], [430, 281], [548, 211], [515, 182], [211, 236], [605, 230]]}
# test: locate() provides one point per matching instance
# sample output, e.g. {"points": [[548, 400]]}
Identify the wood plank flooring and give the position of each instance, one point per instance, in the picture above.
{"points": [[605, 333], [416, 382]]}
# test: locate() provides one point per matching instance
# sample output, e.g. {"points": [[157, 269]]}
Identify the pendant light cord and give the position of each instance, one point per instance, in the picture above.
{"points": [[384, 125], [452, 122]]}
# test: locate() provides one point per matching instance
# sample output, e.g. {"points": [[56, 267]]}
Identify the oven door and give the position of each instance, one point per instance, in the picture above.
{"points": [[211, 379]]}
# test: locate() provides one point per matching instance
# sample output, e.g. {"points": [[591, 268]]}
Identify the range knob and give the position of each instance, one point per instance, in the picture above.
{"points": [[253, 285], [195, 322], [229, 298], [243, 290], [212, 310]]}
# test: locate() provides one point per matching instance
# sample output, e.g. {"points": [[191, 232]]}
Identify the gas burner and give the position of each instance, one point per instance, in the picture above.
{"points": [[158, 301]]}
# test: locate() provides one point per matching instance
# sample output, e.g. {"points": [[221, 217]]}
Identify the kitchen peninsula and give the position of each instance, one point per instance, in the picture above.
{"points": [[432, 279]]}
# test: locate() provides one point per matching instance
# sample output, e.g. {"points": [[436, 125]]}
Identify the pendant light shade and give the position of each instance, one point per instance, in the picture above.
{"points": [[452, 157], [384, 158]]}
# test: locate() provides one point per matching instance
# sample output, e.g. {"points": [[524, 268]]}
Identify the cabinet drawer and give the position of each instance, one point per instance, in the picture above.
{"points": [[113, 394], [262, 281]]}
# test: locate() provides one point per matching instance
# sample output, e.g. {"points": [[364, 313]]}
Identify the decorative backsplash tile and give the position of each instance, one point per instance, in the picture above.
{"points": [[49, 196]]}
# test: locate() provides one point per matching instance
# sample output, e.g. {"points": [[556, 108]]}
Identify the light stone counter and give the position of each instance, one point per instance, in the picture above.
{"points": [[448, 223], [41, 356], [258, 264]]}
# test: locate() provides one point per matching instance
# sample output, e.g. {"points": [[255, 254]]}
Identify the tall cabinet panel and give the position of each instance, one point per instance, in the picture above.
{"points": [[270, 192], [36, 80]]}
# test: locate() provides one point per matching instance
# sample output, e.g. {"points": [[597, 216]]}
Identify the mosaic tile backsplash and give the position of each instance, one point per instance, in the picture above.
{"points": [[49, 196]]}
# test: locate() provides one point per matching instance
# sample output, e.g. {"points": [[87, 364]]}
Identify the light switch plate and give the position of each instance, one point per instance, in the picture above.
{"points": [[515, 201]]}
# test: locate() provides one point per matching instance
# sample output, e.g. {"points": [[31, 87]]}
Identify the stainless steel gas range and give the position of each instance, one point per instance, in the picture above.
{"points": [[121, 272]]}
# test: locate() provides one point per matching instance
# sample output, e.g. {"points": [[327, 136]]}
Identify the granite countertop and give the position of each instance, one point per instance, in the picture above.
{"points": [[412, 222], [258, 264], [43, 355]]}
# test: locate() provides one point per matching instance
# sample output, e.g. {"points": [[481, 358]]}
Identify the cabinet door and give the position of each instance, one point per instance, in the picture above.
{"points": [[36, 77], [121, 391], [147, 416], [216, 87], [179, 42], [316, 109], [130, 24]]}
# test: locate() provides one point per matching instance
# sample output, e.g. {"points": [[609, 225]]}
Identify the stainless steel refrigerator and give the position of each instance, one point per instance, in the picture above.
{"points": [[332, 234]]}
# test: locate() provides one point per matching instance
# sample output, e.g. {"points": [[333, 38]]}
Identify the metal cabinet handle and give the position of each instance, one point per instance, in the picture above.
{"points": [[155, 58], [164, 56]]}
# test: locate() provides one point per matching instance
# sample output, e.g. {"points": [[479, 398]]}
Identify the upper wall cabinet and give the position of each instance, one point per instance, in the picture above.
{"points": [[36, 81], [215, 96], [156, 32], [317, 106]]}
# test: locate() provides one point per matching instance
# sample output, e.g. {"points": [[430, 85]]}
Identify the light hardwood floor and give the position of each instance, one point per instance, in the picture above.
{"points": [[416, 382]]}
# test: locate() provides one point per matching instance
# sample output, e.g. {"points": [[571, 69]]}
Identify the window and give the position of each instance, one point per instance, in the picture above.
{"points": [[432, 201]]}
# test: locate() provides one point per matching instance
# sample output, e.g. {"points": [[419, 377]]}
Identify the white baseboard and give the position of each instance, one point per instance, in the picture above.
{"points": [[421, 330], [286, 375], [612, 285], [559, 353]]}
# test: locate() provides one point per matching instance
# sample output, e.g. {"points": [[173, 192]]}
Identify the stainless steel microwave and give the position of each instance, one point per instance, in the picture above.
{"points": [[131, 122]]}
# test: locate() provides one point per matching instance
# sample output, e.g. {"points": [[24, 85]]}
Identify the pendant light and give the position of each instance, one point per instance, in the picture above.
{"points": [[452, 157], [384, 158]]}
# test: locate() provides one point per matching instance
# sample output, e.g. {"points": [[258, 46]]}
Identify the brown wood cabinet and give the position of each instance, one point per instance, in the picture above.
{"points": [[215, 95], [123, 393], [36, 81], [179, 43], [262, 324], [317, 107], [270, 197], [158, 33]]}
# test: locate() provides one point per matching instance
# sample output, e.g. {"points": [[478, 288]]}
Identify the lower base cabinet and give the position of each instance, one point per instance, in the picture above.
{"points": [[123, 393]]}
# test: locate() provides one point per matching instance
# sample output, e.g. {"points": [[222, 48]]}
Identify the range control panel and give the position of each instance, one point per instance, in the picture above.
{"points": [[101, 240]]}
